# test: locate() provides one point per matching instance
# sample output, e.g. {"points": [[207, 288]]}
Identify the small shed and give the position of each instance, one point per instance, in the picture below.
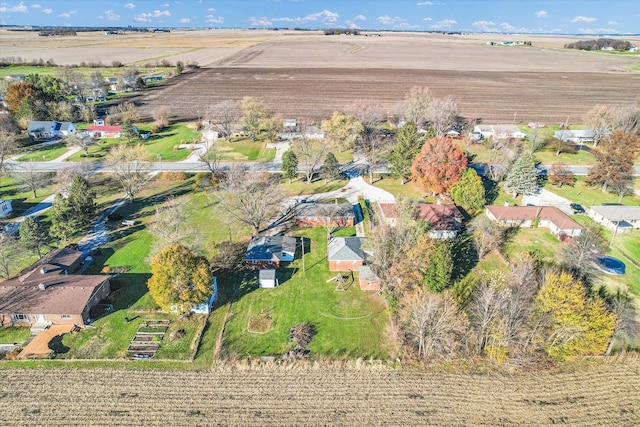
{"points": [[5, 207], [267, 279], [369, 281]]}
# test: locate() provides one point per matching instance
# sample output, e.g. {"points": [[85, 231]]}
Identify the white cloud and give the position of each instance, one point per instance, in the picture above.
{"points": [[210, 19], [427, 19], [35, 6], [185, 20], [47, 11], [129, 6], [388, 20], [17, 8], [360, 18], [110, 15], [212, 9], [165, 5], [583, 19], [612, 23], [147, 17], [444, 24], [424, 3], [67, 14], [325, 16], [541, 14], [260, 21], [485, 26], [351, 25], [598, 31]]}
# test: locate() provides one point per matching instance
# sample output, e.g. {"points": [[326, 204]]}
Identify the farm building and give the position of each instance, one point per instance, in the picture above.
{"points": [[5, 207], [43, 130], [499, 131], [345, 253], [267, 252], [46, 293], [319, 214], [622, 218], [559, 223], [267, 279], [369, 281], [445, 220]]}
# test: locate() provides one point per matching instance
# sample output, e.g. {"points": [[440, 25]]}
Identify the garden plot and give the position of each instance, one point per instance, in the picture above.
{"points": [[146, 341]]}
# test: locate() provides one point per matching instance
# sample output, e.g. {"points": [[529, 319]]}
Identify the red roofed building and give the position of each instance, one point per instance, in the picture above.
{"points": [[445, 220], [559, 223], [104, 131]]}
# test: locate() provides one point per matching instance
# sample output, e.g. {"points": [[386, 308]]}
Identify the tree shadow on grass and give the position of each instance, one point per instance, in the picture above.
{"points": [[491, 190], [130, 287], [56, 345]]}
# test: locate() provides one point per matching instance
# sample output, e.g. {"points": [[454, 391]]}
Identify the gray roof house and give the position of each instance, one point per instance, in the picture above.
{"points": [[43, 130], [345, 253], [269, 251], [622, 218]]}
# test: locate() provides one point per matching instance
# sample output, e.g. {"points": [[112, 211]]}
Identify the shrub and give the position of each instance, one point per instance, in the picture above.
{"points": [[172, 176]]}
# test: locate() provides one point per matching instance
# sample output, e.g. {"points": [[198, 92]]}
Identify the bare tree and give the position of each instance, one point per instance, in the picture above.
{"points": [[81, 140], [600, 120], [256, 116], [433, 324], [8, 145], [485, 309], [168, 224], [9, 250], [130, 166], [374, 147], [415, 105], [29, 178], [442, 114], [627, 117], [342, 130], [211, 155], [224, 115], [486, 234], [65, 176], [368, 112], [535, 139], [310, 153], [331, 216], [498, 165], [580, 253], [161, 116], [250, 198], [627, 326]]}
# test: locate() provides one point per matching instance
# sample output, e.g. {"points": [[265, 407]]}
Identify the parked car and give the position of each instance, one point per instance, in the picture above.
{"points": [[577, 209]]}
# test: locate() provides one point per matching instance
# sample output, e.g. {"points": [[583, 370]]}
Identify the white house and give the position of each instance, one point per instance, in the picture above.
{"points": [[577, 136], [504, 131], [622, 218], [43, 130], [5, 207], [559, 223]]}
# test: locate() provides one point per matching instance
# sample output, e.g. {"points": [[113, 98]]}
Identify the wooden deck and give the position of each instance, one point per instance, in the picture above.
{"points": [[39, 345]]}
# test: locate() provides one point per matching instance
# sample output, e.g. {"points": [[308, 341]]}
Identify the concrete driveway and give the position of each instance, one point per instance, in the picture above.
{"points": [[547, 198]]}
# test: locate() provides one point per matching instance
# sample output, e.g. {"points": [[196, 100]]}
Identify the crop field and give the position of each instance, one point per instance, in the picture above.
{"points": [[270, 395]]}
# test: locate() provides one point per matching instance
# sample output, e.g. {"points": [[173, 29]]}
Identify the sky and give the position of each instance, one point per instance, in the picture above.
{"points": [[493, 16]]}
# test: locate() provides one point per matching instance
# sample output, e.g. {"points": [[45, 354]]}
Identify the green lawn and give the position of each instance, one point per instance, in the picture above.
{"points": [[45, 154], [300, 186], [22, 199], [105, 71], [349, 323], [590, 196], [410, 190], [580, 157], [245, 150], [533, 239], [14, 334]]}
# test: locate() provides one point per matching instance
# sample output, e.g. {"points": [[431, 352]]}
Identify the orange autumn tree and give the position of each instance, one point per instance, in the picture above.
{"points": [[439, 165]]}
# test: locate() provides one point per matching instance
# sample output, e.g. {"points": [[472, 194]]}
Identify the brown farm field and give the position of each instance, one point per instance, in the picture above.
{"points": [[593, 394], [308, 75]]}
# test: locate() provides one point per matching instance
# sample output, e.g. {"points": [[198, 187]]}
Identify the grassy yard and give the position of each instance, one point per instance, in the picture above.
{"points": [[245, 150], [45, 154], [22, 199], [105, 71], [300, 186], [349, 323], [410, 190], [481, 154], [590, 196], [14, 334]]}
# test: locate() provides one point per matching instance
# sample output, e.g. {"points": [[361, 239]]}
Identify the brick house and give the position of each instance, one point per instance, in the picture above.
{"points": [[559, 223], [445, 219], [345, 253], [319, 214]]}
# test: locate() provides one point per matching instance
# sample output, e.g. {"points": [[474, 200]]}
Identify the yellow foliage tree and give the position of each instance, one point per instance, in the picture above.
{"points": [[179, 277], [573, 323]]}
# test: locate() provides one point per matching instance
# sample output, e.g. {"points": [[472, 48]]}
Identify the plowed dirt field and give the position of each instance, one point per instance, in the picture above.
{"points": [[603, 395]]}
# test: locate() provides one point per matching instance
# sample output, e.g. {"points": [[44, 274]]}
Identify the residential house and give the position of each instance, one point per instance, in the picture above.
{"points": [[102, 131], [5, 207], [504, 131], [319, 214], [345, 253], [268, 252], [48, 293], [388, 212], [577, 136], [622, 219], [369, 281], [289, 123], [559, 223], [445, 219], [44, 130]]}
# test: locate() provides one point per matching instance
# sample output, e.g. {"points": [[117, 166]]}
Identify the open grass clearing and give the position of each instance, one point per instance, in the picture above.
{"points": [[300, 187], [349, 324], [106, 71], [245, 150], [14, 334], [45, 154], [410, 190], [590, 196]]}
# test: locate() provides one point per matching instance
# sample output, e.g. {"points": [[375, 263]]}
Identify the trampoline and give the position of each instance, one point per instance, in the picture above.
{"points": [[610, 265]]}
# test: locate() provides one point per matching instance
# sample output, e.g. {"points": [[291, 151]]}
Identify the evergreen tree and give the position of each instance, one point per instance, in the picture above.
{"points": [[440, 268], [63, 224], [405, 150], [523, 176], [81, 199], [330, 169], [34, 235], [290, 164], [469, 191]]}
